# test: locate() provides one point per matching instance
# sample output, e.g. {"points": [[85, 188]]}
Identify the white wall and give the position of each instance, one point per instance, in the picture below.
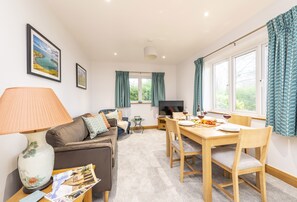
{"points": [[282, 149], [103, 88], [14, 15]]}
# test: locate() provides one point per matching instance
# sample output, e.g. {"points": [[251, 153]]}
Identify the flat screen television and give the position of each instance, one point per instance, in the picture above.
{"points": [[167, 107]]}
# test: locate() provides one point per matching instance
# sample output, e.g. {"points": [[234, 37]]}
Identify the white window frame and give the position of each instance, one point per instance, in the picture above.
{"points": [[261, 83], [140, 76]]}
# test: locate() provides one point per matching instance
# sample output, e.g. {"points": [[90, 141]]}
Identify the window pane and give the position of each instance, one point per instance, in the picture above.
{"points": [[245, 82], [133, 89], [221, 85], [146, 89]]}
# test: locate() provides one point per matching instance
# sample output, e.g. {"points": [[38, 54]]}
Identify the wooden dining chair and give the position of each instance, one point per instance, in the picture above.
{"points": [[239, 163], [240, 120], [184, 147], [178, 115]]}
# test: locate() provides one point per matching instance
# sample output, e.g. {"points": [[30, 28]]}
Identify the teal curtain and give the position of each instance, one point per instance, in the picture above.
{"points": [[158, 88], [282, 73], [198, 85], [122, 97]]}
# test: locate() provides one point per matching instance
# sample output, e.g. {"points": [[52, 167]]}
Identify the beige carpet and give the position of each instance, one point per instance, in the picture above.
{"points": [[144, 175]]}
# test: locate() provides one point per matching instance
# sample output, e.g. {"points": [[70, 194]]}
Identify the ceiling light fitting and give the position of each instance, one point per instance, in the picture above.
{"points": [[150, 52]]}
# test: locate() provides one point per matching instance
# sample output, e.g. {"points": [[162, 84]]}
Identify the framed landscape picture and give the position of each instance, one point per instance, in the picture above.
{"points": [[43, 57], [81, 77]]}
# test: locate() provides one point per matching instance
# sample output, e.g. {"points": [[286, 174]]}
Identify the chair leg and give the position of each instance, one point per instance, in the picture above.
{"points": [[171, 155], [235, 186], [262, 177], [182, 165], [193, 160]]}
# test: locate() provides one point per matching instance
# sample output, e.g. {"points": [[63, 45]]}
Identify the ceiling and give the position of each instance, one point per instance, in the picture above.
{"points": [[176, 28]]}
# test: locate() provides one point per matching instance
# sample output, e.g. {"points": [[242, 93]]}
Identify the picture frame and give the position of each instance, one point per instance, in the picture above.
{"points": [[81, 77], [43, 57]]}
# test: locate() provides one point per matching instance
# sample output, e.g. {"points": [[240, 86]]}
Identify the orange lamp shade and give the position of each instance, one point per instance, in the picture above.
{"points": [[28, 109]]}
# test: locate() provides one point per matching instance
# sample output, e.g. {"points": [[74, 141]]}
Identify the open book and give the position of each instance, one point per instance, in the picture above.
{"points": [[69, 185]]}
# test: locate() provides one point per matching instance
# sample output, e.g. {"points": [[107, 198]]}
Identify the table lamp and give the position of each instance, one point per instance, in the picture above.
{"points": [[32, 111]]}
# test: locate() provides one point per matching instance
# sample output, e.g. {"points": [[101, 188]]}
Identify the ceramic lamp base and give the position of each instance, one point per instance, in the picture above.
{"points": [[36, 162], [30, 191]]}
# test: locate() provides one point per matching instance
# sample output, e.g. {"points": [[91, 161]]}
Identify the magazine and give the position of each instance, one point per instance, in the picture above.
{"points": [[69, 185]]}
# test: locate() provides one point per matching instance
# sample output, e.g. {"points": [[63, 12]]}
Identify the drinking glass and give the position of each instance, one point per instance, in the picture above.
{"points": [[227, 116], [185, 113]]}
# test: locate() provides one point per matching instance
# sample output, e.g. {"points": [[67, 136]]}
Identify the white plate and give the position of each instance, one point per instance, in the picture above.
{"points": [[186, 123], [229, 128], [221, 121]]}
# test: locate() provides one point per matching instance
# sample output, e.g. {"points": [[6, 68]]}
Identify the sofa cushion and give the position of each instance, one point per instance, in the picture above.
{"points": [[105, 120], [95, 125], [71, 132], [113, 115]]}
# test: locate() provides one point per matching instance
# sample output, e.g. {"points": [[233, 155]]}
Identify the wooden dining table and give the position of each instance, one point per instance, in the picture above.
{"points": [[208, 137]]}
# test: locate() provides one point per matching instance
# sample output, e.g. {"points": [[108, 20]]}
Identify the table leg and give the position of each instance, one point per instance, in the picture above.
{"points": [[167, 143], [206, 171], [88, 196]]}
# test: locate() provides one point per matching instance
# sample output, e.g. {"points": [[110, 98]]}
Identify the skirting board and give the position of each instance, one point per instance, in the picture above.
{"points": [[147, 127], [290, 179]]}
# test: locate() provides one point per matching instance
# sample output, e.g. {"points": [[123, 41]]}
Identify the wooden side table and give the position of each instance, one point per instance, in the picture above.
{"points": [[87, 197]]}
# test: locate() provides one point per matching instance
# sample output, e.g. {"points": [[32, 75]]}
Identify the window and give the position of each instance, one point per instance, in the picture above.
{"points": [[221, 83], [140, 88], [238, 80], [245, 82], [133, 89]]}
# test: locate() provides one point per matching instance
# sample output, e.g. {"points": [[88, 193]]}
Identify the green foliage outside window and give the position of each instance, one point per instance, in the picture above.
{"points": [[134, 93], [222, 100], [246, 99], [146, 89]]}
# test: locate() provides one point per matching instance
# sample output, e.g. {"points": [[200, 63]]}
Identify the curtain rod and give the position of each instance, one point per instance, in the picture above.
{"points": [[140, 72], [235, 40]]}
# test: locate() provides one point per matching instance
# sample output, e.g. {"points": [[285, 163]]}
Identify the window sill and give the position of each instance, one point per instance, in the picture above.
{"points": [[262, 118], [132, 103]]}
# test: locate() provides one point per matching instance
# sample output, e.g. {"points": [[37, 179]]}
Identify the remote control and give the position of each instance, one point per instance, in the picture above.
{"points": [[34, 197]]}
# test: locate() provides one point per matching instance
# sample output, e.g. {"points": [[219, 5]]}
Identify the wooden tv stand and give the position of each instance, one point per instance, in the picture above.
{"points": [[161, 123]]}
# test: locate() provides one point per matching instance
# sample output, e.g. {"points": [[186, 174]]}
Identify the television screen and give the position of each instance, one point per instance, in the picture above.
{"points": [[167, 107]]}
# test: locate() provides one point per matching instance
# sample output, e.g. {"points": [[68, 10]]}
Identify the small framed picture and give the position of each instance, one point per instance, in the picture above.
{"points": [[81, 77], [43, 57]]}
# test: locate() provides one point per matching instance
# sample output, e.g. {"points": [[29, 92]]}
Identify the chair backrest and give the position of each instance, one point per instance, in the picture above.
{"points": [[173, 131], [240, 120], [178, 115], [253, 138]]}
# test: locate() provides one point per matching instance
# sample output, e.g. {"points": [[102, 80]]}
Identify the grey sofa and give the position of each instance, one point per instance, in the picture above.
{"points": [[73, 147]]}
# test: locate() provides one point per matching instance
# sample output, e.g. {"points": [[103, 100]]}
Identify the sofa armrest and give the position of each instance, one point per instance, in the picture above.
{"points": [[112, 122], [99, 154], [90, 142], [82, 146]]}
